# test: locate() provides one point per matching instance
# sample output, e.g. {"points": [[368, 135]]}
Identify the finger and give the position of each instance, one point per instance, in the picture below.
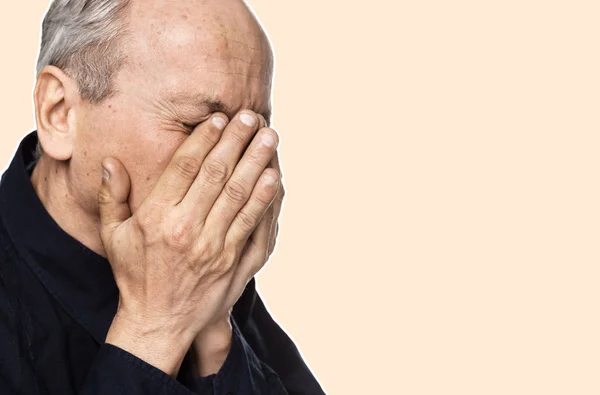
{"points": [[274, 237], [273, 233], [277, 204], [275, 164], [112, 197], [259, 240], [248, 218], [254, 255], [220, 164], [183, 168], [263, 122], [238, 188]]}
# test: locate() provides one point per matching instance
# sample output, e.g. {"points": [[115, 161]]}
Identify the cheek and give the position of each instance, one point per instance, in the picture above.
{"points": [[146, 161], [135, 139]]}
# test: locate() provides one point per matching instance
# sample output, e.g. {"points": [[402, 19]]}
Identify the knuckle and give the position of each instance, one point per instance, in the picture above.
{"points": [[186, 166], [180, 235], [149, 215], [104, 197], [255, 156], [239, 137], [216, 172], [247, 221], [226, 262], [230, 253], [207, 250], [235, 192], [264, 195], [141, 221], [144, 220], [211, 136]]}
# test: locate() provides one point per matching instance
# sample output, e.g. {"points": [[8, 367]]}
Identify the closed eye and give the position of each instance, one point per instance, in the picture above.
{"points": [[190, 126]]}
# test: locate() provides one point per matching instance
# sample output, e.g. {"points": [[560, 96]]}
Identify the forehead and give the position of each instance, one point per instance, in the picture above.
{"points": [[213, 49]]}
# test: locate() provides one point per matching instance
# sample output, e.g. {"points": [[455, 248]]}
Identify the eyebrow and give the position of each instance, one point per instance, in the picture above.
{"points": [[213, 105]]}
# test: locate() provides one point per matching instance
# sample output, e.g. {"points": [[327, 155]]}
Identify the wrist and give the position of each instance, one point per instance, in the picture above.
{"points": [[158, 345], [212, 346]]}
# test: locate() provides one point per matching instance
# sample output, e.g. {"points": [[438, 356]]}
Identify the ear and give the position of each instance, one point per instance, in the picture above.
{"points": [[55, 96]]}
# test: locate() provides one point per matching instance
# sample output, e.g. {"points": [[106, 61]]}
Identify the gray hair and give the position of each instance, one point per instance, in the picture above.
{"points": [[82, 37]]}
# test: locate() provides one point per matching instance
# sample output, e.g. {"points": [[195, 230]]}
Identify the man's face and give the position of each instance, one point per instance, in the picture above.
{"points": [[185, 61]]}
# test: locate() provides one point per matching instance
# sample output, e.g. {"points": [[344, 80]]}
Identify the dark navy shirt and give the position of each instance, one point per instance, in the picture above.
{"points": [[57, 302]]}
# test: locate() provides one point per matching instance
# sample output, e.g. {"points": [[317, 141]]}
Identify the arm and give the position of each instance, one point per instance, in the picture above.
{"points": [[266, 344], [113, 371], [263, 358], [179, 260], [116, 371], [242, 372]]}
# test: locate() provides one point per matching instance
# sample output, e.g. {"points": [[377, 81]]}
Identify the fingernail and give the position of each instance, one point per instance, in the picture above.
{"points": [[105, 174], [263, 120], [248, 120], [270, 179], [268, 140], [219, 122]]}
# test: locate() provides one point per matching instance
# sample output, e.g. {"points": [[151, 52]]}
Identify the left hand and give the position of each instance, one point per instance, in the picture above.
{"points": [[212, 345], [261, 243]]}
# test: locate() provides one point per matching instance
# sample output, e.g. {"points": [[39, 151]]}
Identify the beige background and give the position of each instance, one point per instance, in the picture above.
{"points": [[441, 229]]}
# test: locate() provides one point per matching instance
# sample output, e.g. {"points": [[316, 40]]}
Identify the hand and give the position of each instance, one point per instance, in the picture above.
{"points": [[176, 261], [262, 242], [212, 345]]}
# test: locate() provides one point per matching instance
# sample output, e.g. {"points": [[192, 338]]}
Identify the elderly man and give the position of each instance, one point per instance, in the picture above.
{"points": [[133, 221]]}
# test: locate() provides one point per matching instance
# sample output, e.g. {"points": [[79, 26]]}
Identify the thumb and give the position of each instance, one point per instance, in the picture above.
{"points": [[112, 197]]}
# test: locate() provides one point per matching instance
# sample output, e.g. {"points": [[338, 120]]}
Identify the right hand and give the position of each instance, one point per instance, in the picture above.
{"points": [[175, 260]]}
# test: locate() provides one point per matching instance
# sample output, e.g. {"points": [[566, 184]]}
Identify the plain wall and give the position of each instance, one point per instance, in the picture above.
{"points": [[441, 229]]}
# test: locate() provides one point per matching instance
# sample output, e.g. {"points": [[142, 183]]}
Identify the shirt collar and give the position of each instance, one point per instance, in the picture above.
{"points": [[80, 279]]}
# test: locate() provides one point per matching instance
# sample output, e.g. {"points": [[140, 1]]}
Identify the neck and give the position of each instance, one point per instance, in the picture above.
{"points": [[51, 181]]}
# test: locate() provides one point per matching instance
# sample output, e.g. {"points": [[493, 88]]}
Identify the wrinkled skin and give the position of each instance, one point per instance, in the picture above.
{"points": [[181, 56]]}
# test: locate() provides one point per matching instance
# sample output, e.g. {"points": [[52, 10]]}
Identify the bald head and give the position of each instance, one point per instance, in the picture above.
{"points": [[91, 40], [203, 49], [85, 38], [180, 62]]}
